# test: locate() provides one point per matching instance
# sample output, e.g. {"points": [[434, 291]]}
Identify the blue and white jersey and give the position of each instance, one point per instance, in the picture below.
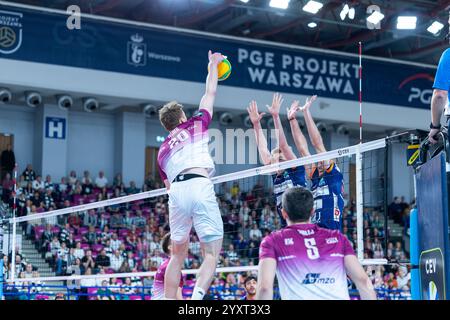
{"points": [[292, 177], [328, 199]]}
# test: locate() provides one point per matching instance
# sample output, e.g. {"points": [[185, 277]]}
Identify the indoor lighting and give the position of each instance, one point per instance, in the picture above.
{"points": [[406, 23], [344, 12], [312, 25], [375, 17], [313, 7], [435, 28], [280, 4]]}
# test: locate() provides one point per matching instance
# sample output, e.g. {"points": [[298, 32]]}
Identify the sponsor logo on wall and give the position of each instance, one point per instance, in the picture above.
{"points": [[10, 31], [138, 54]]}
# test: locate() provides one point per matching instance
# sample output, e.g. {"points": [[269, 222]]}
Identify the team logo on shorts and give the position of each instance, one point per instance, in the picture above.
{"points": [[10, 31], [137, 51], [337, 215]]}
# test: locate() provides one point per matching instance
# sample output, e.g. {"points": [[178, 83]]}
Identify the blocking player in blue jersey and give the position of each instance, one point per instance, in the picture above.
{"points": [[327, 181], [283, 179]]}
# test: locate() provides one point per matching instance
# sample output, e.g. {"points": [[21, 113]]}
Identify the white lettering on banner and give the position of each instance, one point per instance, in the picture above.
{"points": [[424, 96], [315, 74]]}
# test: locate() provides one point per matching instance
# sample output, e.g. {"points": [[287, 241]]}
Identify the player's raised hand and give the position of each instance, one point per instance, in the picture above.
{"points": [[292, 111], [215, 58], [277, 101], [255, 116], [309, 102]]}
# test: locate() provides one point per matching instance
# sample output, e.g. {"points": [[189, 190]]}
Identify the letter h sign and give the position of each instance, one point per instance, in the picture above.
{"points": [[55, 128]]}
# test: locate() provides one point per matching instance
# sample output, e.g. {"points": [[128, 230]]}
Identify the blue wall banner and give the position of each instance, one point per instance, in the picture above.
{"points": [[38, 36]]}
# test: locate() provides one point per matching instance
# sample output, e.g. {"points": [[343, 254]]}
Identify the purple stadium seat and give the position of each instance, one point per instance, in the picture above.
{"points": [[123, 232], [83, 230], [77, 237], [97, 247], [148, 298], [56, 229], [92, 292], [42, 297], [85, 246], [135, 297]]}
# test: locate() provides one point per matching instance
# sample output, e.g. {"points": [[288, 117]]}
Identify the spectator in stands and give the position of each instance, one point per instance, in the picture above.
{"points": [[255, 232], [132, 189], [48, 184], [62, 257], [72, 180], [74, 221], [131, 260], [29, 173], [86, 283], [101, 181], [125, 267], [29, 270], [91, 219], [7, 187], [116, 221], [7, 161], [241, 245], [86, 183], [48, 200], [104, 291], [91, 236], [78, 252], [88, 261], [115, 242], [38, 184], [102, 260], [139, 221], [395, 210], [116, 260]]}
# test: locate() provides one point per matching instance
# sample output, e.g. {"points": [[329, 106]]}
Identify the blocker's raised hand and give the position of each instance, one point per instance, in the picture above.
{"points": [[255, 116]]}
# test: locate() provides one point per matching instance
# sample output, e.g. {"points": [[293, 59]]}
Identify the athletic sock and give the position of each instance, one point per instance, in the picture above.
{"points": [[198, 293]]}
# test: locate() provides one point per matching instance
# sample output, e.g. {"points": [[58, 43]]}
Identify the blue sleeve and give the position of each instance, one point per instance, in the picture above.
{"points": [[442, 80]]}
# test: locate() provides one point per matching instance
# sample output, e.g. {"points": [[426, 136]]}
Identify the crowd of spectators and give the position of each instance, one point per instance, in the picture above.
{"points": [[126, 238]]}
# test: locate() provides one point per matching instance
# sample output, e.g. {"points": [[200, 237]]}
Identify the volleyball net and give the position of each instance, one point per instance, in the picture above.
{"points": [[99, 235]]}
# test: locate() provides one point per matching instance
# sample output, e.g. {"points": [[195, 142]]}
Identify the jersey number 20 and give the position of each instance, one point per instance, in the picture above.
{"points": [[181, 136], [312, 251]]}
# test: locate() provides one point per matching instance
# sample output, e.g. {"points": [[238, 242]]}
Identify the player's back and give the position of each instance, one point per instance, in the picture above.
{"points": [[310, 262], [186, 147], [158, 283]]}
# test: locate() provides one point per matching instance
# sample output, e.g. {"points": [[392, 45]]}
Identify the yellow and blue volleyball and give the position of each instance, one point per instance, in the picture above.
{"points": [[224, 69]]}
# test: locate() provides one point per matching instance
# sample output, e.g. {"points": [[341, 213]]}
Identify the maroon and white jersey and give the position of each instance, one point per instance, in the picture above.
{"points": [[186, 147], [158, 283], [310, 262]]}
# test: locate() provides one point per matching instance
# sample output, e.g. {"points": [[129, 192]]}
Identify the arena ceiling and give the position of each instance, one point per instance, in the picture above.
{"points": [[256, 19]]}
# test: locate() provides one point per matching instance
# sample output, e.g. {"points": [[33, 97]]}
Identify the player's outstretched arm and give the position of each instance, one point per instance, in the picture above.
{"points": [[261, 141], [359, 277], [266, 276], [314, 134], [209, 97], [274, 110], [299, 138]]}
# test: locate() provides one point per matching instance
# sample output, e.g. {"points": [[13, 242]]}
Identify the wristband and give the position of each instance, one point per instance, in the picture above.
{"points": [[432, 126]]}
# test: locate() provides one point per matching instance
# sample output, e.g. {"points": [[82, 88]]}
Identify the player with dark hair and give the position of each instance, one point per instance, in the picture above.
{"points": [[158, 283], [250, 284], [311, 263]]}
